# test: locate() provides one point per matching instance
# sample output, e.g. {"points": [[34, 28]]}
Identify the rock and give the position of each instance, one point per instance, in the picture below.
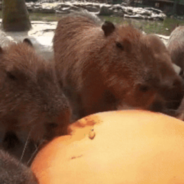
{"points": [[118, 10], [134, 16], [124, 4], [67, 8], [97, 8], [30, 6], [106, 10], [158, 16], [48, 8], [128, 11], [144, 12], [4, 39], [153, 10], [118, 13], [91, 8]]}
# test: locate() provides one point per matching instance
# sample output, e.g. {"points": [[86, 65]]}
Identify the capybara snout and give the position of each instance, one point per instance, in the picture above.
{"points": [[174, 93], [103, 66], [31, 101]]}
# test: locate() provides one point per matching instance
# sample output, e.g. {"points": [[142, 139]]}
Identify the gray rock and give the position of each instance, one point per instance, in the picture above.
{"points": [[97, 8], [153, 10], [4, 39], [118, 13], [106, 10], [92, 8]]}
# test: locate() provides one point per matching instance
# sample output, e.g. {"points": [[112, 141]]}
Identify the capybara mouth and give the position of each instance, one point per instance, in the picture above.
{"points": [[170, 108], [157, 107], [22, 149], [173, 104]]}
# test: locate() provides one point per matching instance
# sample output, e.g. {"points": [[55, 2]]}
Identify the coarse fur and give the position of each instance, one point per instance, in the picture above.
{"points": [[14, 172], [103, 67], [32, 105], [175, 46]]}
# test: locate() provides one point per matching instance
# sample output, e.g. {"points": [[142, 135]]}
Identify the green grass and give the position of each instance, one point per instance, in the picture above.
{"points": [[160, 27]]}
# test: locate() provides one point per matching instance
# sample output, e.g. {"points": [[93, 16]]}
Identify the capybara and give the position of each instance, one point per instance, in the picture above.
{"points": [[33, 107], [175, 46], [102, 66], [14, 172]]}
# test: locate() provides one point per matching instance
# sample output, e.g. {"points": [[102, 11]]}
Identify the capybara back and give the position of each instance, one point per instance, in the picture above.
{"points": [[103, 66]]}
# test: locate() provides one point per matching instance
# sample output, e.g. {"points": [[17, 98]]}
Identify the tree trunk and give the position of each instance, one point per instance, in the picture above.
{"points": [[15, 16]]}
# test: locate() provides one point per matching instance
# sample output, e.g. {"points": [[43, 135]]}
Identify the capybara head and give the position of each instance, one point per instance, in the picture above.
{"points": [[175, 46], [141, 64], [114, 67], [13, 172], [32, 104]]}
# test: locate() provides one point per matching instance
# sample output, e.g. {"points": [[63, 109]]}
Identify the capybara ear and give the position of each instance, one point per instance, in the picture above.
{"points": [[108, 28], [28, 41]]}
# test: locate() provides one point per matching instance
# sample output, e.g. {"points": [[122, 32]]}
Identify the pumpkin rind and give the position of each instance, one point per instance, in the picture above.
{"points": [[126, 147]]}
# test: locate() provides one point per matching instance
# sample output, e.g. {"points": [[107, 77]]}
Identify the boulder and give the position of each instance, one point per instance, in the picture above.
{"points": [[106, 10]]}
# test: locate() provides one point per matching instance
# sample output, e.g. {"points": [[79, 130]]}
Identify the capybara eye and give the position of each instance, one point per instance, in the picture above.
{"points": [[11, 76], [144, 88], [119, 45]]}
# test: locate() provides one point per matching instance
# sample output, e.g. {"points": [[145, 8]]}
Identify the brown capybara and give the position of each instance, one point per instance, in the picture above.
{"points": [[14, 172], [175, 46], [103, 67], [32, 105]]}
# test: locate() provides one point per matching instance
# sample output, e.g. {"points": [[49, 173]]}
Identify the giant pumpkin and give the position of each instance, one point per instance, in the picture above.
{"points": [[118, 147]]}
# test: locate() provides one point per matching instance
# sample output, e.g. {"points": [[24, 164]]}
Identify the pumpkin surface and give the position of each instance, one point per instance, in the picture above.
{"points": [[117, 147]]}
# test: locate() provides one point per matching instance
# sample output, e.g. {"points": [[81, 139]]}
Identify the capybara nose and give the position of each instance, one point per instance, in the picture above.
{"points": [[62, 122], [157, 107]]}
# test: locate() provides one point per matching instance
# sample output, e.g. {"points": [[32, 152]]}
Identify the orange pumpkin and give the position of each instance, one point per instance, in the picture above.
{"points": [[132, 147]]}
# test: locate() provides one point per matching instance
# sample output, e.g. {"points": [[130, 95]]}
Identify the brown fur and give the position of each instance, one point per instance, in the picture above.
{"points": [[13, 172], [32, 105], [104, 68], [175, 46]]}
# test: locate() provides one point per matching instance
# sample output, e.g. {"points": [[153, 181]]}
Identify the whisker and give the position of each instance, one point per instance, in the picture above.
{"points": [[41, 142], [25, 146], [33, 154]]}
